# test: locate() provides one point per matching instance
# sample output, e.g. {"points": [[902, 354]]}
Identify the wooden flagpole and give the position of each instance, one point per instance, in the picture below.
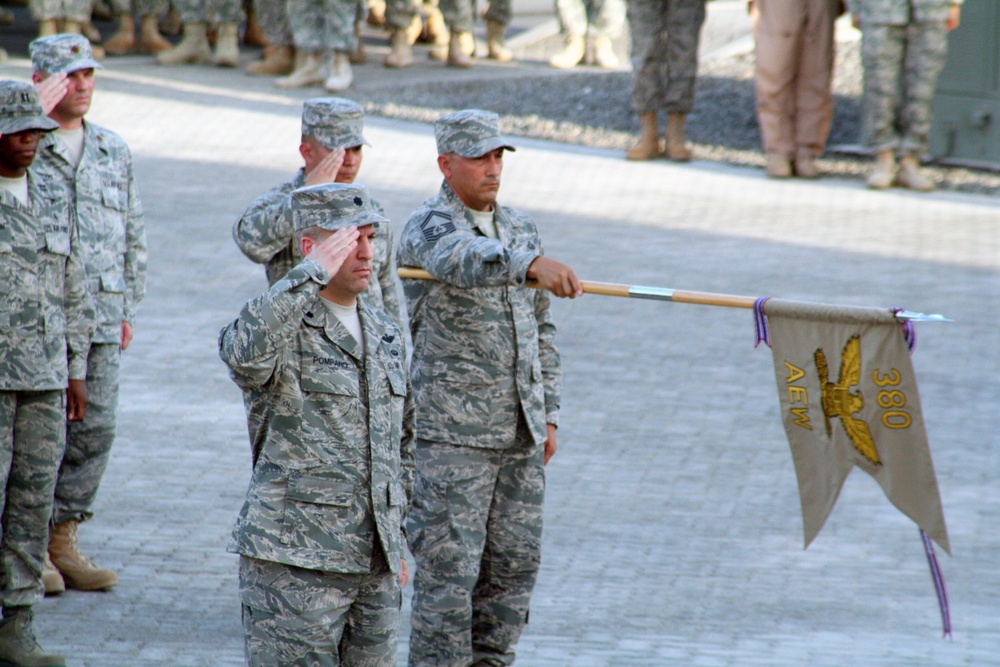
{"points": [[668, 294]]}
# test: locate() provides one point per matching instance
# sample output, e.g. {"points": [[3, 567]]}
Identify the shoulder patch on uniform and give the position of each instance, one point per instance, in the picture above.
{"points": [[435, 225]]}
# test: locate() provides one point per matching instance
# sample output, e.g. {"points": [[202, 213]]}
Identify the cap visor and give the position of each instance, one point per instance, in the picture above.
{"points": [[76, 65], [486, 146], [358, 220], [15, 125]]}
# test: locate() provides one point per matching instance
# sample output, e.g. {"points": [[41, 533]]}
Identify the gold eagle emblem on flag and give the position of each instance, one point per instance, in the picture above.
{"points": [[839, 401]]}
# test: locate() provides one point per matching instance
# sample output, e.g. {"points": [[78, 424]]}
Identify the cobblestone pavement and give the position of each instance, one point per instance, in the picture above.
{"points": [[673, 534]]}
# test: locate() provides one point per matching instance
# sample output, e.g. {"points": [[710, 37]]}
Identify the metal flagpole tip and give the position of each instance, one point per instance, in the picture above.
{"points": [[910, 316]]}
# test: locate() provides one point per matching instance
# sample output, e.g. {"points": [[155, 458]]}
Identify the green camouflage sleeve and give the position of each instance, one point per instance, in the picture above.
{"points": [[251, 346], [548, 355], [136, 252], [447, 248], [266, 228]]}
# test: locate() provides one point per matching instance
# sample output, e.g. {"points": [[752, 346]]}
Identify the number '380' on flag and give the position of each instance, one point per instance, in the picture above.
{"points": [[849, 399]]}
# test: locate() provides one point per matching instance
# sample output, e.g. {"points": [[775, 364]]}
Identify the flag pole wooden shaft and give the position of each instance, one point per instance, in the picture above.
{"points": [[631, 291], [668, 294]]}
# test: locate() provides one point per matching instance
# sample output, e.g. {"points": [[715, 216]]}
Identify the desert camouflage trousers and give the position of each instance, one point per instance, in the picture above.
{"points": [[307, 618], [218, 11], [665, 36], [475, 530], [88, 442], [597, 18], [32, 438], [273, 18], [140, 7], [73, 10], [460, 15], [902, 64], [323, 25]]}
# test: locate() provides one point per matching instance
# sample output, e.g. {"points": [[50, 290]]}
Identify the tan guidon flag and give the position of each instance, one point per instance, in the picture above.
{"points": [[849, 398]]}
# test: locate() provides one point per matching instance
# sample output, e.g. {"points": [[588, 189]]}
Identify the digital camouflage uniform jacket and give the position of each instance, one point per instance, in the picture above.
{"points": [[898, 12], [104, 207], [46, 316], [332, 443], [483, 345], [265, 234]]}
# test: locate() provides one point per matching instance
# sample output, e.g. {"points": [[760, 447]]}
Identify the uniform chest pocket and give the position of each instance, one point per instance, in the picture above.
{"points": [[114, 193], [57, 243]]}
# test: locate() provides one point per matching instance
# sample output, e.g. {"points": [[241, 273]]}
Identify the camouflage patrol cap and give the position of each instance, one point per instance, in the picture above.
{"points": [[21, 110], [334, 122], [470, 133], [333, 206], [62, 54]]}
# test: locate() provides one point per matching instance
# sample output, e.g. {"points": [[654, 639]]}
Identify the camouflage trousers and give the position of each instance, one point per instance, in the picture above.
{"points": [[140, 7], [902, 64], [32, 437], [273, 18], [665, 36], [88, 442], [73, 10], [202, 11], [293, 617], [323, 25], [460, 15], [597, 18], [399, 13], [475, 530]]}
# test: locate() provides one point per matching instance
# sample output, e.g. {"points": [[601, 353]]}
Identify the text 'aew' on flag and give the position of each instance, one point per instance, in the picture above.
{"points": [[849, 398]]}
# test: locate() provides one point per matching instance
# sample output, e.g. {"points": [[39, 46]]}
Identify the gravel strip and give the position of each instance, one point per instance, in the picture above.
{"points": [[592, 108]]}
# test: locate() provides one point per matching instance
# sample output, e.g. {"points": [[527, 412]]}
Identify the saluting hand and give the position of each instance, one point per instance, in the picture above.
{"points": [[51, 90], [556, 277], [332, 251], [326, 170]]}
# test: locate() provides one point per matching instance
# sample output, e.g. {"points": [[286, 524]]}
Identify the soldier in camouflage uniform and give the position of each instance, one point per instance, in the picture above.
{"points": [[194, 49], [600, 20], [321, 30], [320, 536], [460, 16], [90, 169], [332, 140], [485, 374], [903, 49], [665, 37], [46, 321]]}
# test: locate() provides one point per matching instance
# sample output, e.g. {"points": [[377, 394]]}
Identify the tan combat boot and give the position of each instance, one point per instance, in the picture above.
{"points": [[436, 32], [193, 49], [123, 41], [676, 147], [495, 45], [227, 46], [309, 71], [778, 166], [401, 54], [910, 176], [884, 173], [53, 581], [341, 75], [648, 145], [276, 61], [573, 51], [604, 52], [457, 56], [77, 570], [47, 27], [805, 166], [18, 645], [150, 39]]}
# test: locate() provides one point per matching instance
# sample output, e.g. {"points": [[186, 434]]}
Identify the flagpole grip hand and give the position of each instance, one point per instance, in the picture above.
{"points": [[556, 277]]}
